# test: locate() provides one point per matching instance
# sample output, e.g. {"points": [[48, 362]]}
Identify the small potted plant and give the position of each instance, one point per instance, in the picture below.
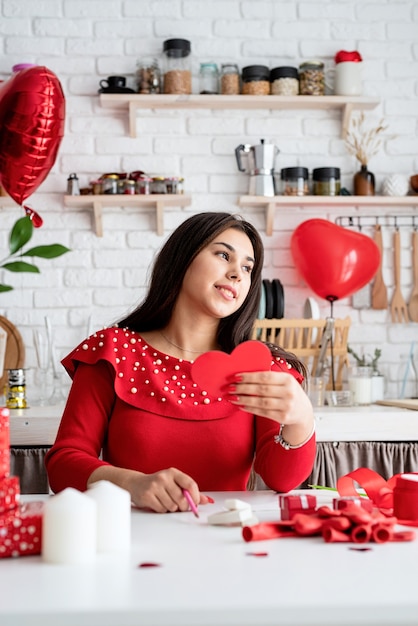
{"points": [[364, 143], [377, 379]]}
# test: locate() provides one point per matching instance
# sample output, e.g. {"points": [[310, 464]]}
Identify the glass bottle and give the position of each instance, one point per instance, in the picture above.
{"points": [[408, 377], [148, 76], [311, 78], [230, 81], [208, 78], [177, 78]]}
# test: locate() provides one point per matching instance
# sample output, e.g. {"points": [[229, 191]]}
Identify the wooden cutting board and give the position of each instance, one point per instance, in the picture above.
{"points": [[411, 403], [15, 349]]}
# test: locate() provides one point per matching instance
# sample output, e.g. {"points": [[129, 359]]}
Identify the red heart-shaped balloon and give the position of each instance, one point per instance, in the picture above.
{"points": [[213, 370], [32, 117], [334, 261]]}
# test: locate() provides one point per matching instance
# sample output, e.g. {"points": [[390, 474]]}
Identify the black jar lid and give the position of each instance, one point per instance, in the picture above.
{"points": [[256, 72], [294, 172], [325, 173], [284, 71], [177, 47]]}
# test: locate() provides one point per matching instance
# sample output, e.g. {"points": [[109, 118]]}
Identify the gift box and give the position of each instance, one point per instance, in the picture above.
{"points": [[342, 503], [21, 530], [9, 493], [291, 505]]}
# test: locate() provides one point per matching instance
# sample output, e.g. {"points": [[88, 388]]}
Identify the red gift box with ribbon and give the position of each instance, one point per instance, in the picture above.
{"points": [[342, 503], [291, 505], [21, 530], [9, 493]]}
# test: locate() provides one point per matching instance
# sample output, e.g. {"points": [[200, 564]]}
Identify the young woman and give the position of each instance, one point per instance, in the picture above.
{"points": [[134, 415]]}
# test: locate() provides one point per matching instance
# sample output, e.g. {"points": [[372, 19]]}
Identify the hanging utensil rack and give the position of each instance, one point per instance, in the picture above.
{"points": [[363, 221]]}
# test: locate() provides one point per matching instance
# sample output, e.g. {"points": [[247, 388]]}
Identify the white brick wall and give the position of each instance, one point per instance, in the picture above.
{"points": [[84, 41]]}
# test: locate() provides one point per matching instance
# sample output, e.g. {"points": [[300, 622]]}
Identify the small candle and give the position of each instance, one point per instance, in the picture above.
{"points": [[69, 528], [113, 516]]}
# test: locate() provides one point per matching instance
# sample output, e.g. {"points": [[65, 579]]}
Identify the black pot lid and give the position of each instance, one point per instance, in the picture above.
{"points": [[269, 299], [278, 298]]}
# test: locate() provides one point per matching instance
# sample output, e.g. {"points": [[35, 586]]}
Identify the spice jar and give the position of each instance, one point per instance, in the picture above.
{"points": [[284, 81], [295, 181], [177, 66], [208, 78], [158, 184], [143, 185], [230, 82], [326, 181], [311, 78], [256, 80], [171, 184], [148, 76], [109, 183], [129, 186]]}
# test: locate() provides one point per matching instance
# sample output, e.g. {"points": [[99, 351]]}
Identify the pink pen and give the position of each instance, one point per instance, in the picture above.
{"points": [[190, 501]]}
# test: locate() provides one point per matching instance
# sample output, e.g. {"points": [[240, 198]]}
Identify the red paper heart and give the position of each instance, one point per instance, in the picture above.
{"points": [[334, 261], [214, 370]]}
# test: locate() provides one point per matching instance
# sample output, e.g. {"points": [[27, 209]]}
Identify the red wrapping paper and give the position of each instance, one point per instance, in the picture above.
{"points": [[21, 530], [292, 505], [4, 443], [9, 493]]}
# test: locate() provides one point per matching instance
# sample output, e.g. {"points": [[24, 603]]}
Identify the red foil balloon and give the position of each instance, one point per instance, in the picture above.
{"points": [[335, 262], [32, 118]]}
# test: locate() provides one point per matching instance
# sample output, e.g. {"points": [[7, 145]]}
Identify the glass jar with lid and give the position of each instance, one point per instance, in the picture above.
{"points": [[230, 80], [295, 181], [109, 183], [256, 80], [326, 181], [148, 76], [311, 78], [284, 81], [208, 78], [177, 74], [158, 184]]}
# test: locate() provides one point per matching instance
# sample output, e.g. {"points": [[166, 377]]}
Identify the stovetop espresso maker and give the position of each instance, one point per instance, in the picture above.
{"points": [[260, 166]]}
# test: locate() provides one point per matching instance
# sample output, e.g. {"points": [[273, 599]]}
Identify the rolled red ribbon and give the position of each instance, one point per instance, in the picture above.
{"points": [[344, 56]]}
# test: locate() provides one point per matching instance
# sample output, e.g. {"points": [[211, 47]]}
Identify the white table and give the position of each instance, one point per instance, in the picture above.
{"points": [[206, 578]]}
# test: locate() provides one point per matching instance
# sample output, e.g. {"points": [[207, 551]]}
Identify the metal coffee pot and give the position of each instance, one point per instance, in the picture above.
{"points": [[260, 166]]}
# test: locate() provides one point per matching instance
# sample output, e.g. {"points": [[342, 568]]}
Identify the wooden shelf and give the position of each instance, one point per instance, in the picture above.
{"points": [[133, 102], [271, 204], [155, 201]]}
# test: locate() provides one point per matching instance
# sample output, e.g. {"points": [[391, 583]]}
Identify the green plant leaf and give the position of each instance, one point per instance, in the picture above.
{"points": [[20, 266], [20, 234], [47, 252], [5, 288]]}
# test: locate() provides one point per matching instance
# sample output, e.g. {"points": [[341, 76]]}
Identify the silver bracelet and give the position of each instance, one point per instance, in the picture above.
{"points": [[288, 446]]}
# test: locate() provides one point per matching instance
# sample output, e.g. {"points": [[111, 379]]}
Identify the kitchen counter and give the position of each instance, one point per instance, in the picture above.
{"points": [[37, 426]]}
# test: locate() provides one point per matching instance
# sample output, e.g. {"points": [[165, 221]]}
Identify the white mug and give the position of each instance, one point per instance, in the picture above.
{"points": [[347, 81]]}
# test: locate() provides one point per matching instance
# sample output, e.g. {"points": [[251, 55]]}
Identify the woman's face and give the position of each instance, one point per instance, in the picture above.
{"points": [[219, 278]]}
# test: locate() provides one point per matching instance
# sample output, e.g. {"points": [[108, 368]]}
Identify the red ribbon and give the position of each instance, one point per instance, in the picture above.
{"points": [[397, 496]]}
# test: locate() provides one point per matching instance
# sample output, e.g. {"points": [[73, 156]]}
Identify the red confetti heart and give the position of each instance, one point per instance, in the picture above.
{"points": [[214, 370]]}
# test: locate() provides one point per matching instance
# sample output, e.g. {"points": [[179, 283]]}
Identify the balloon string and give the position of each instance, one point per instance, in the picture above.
{"points": [[332, 348]]}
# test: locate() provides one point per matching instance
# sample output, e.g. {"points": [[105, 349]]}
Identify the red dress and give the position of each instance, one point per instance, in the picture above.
{"points": [[134, 407]]}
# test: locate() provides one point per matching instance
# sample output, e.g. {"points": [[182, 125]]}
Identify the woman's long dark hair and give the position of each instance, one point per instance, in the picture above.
{"points": [[171, 265]]}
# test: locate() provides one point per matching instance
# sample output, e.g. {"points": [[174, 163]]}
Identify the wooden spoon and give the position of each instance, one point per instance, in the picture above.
{"points": [[413, 300], [379, 291], [398, 305]]}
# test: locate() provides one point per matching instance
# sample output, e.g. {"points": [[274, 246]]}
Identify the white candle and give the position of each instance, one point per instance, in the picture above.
{"points": [[113, 516], [69, 528]]}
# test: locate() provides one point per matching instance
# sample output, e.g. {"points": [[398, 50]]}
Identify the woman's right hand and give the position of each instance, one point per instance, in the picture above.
{"points": [[161, 492]]}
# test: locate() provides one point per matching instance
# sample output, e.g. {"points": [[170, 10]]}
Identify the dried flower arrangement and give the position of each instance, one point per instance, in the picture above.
{"points": [[364, 142]]}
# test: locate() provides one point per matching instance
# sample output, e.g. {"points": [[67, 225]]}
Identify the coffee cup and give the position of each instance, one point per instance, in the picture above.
{"points": [[113, 82]]}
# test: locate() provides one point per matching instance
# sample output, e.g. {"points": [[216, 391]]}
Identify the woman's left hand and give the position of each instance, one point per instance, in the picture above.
{"points": [[275, 395]]}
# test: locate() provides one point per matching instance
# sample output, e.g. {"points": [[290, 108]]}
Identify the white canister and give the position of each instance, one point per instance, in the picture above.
{"points": [[347, 81], [360, 385]]}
